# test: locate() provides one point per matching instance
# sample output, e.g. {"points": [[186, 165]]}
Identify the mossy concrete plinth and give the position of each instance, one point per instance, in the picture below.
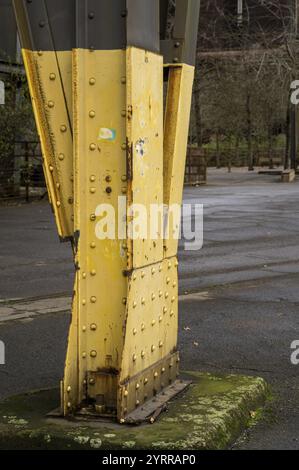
{"points": [[210, 415]]}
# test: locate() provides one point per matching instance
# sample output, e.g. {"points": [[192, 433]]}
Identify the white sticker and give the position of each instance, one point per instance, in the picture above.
{"points": [[107, 134]]}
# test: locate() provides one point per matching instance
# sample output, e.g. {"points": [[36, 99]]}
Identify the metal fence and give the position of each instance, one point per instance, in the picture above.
{"points": [[24, 173]]}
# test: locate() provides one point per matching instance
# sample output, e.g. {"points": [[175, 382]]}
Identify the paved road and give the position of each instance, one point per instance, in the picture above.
{"points": [[239, 295]]}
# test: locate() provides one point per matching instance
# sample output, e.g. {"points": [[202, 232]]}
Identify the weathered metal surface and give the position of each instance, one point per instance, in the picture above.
{"points": [[8, 32], [100, 178], [49, 75], [122, 347], [106, 25], [152, 409], [177, 117], [181, 46], [46, 25], [145, 152]]}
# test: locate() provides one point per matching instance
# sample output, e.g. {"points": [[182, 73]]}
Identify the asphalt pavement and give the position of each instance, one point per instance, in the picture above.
{"points": [[239, 295]]}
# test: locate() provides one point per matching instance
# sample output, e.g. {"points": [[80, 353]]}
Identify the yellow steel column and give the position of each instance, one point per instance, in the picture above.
{"points": [[53, 108], [99, 93]]}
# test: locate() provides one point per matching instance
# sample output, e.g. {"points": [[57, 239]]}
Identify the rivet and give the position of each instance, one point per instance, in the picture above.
{"points": [[84, 329], [93, 217], [134, 277], [153, 271], [174, 284], [134, 332], [126, 393], [137, 403], [92, 114], [51, 168], [40, 53], [160, 319], [83, 302], [160, 293], [168, 280], [63, 128], [124, 178], [143, 301], [92, 190], [92, 245], [169, 265], [93, 272], [93, 354], [142, 354], [170, 365], [124, 114], [52, 76], [83, 275], [176, 263], [69, 405], [142, 275], [160, 344], [92, 178], [92, 382], [58, 203], [123, 80], [160, 268], [108, 190], [173, 299], [166, 295], [93, 300], [155, 375], [92, 81], [61, 157], [137, 386], [163, 370], [122, 421], [153, 296], [51, 104], [153, 322], [178, 360], [134, 304], [153, 348], [171, 313], [142, 327], [91, 15], [58, 186], [124, 301], [134, 358], [124, 190], [165, 310], [124, 146], [69, 389], [70, 200], [84, 355], [92, 147], [93, 327], [145, 381], [108, 179]]}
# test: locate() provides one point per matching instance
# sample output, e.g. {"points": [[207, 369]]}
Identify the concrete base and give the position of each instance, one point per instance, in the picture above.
{"points": [[288, 176], [210, 415]]}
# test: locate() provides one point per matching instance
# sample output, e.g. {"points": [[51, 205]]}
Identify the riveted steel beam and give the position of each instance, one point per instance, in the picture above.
{"points": [[46, 30], [8, 33], [106, 25], [96, 78], [180, 47]]}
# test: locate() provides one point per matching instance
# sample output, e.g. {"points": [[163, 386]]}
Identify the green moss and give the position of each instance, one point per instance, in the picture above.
{"points": [[210, 415]]}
